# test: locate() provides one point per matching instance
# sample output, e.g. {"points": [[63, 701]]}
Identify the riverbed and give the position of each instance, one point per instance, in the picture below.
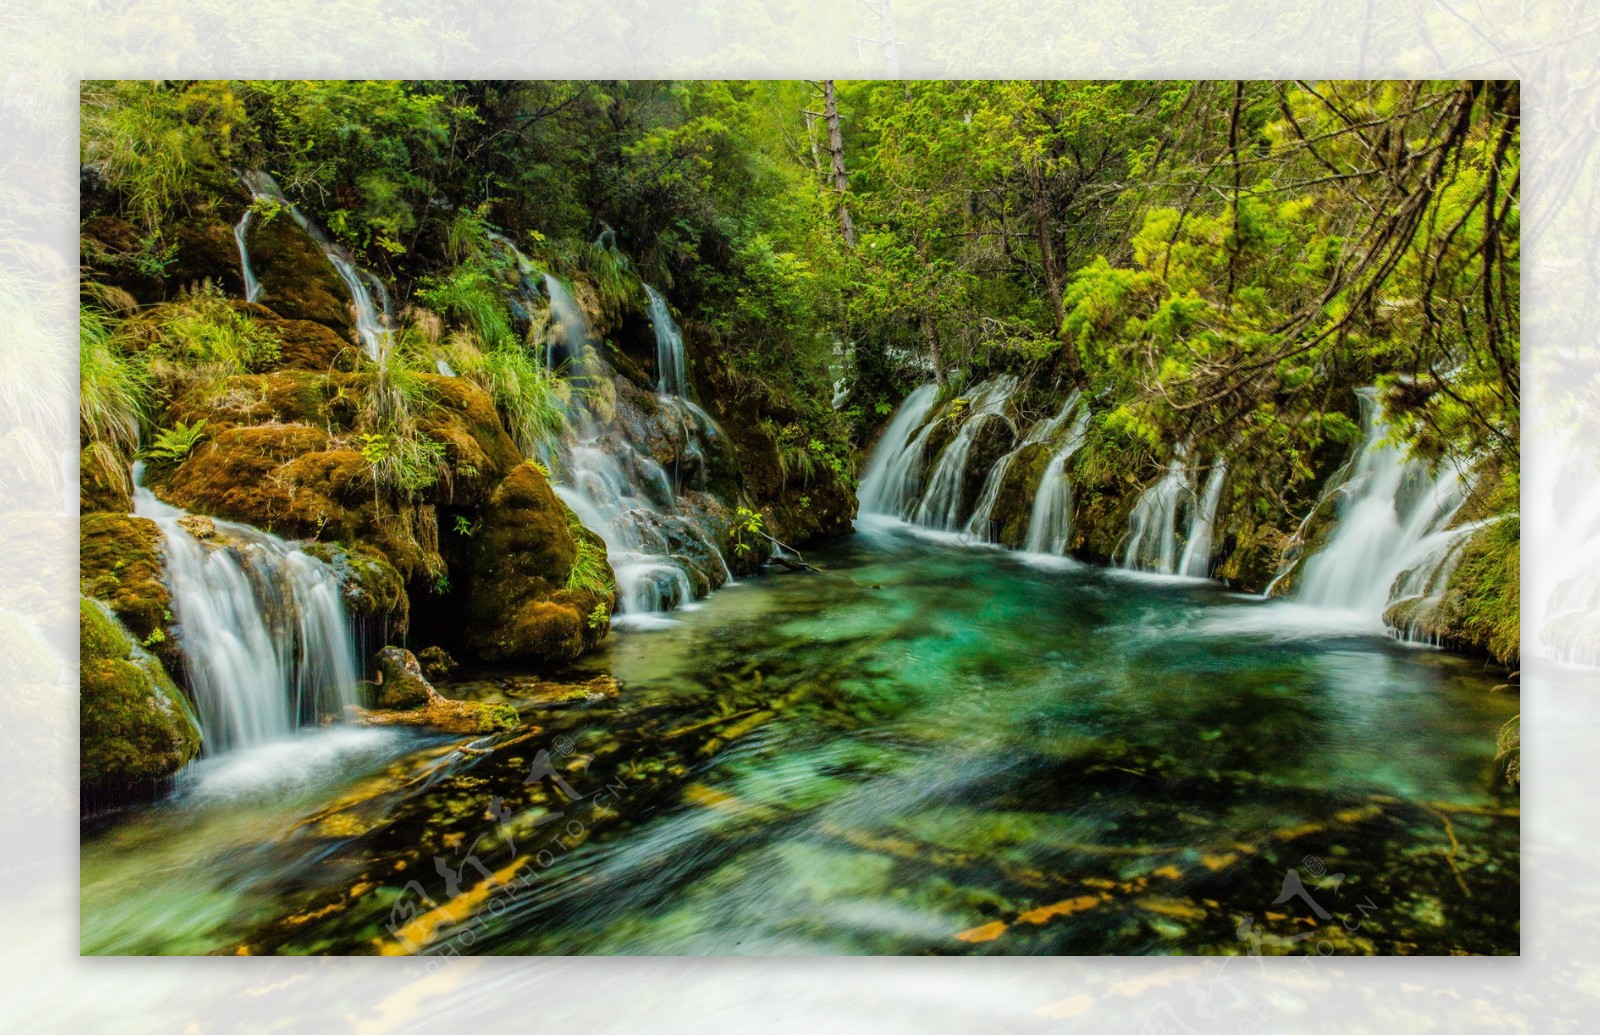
{"points": [[930, 747]]}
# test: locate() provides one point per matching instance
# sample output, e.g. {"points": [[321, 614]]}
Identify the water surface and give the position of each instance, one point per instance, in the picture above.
{"points": [[930, 748]]}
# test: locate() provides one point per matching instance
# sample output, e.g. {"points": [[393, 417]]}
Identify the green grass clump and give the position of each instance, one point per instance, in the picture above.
{"points": [[113, 388]]}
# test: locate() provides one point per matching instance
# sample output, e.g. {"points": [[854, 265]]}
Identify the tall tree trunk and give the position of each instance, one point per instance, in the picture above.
{"points": [[1053, 286], [830, 111]]}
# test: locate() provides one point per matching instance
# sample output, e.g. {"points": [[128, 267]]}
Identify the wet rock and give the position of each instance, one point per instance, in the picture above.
{"points": [[436, 662], [136, 727], [401, 684], [198, 526], [371, 588], [406, 698], [297, 280]]}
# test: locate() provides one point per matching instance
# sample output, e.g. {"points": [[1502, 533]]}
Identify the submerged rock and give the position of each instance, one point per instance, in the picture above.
{"points": [[406, 698], [136, 727]]}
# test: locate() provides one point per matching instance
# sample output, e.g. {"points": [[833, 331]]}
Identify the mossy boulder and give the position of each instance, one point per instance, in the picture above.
{"points": [[521, 560], [297, 280], [371, 587], [406, 698], [119, 563], [104, 480], [401, 684], [136, 728], [1013, 505]]}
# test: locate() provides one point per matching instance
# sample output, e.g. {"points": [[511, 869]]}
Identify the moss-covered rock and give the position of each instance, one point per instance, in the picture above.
{"points": [[104, 480], [1479, 608], [401, 684], [371, 588], [521, 559], [297, 280], [136, 727], [406, 698], [120, 563]]}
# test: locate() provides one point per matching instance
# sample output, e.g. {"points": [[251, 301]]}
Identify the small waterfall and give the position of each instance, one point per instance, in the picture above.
{"points": [[1196, 560], [1393, 517], [261, 624], [656, 540], [367, 293], [569, 329], [1050, 522], [241, 230], [892, 479], [1040, 431], [1153, 525], [670, 378], [942, 503]]}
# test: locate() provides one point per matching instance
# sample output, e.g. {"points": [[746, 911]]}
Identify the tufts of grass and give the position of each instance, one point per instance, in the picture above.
{"points": [[114, 389]]}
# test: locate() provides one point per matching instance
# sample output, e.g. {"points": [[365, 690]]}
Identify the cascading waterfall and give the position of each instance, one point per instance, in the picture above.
{"points": [[262, 627], [1050, 521], [569, 331], [656, 541], [241, 233], [367, 293], [889, 486], [670, 378], [1153, 526], [942, 503], [982, 518], [1393, 517], [1196, 561]]}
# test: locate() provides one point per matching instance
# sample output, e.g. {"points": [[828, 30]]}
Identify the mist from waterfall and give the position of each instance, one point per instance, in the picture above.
{"points": [[267, 647]]}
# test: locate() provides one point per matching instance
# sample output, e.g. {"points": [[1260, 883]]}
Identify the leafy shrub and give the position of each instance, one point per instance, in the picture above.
{"points": [[113, 389]]}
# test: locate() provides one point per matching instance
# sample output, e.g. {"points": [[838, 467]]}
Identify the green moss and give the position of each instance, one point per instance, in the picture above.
{"points": [[119, 563], [136, 727], [522, 559]]}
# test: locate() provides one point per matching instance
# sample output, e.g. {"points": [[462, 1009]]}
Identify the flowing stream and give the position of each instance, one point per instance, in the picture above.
{"points": [[929, 749]]}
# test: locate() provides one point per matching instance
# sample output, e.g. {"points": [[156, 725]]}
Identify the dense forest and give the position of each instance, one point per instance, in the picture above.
{"points": [[380, 380]]}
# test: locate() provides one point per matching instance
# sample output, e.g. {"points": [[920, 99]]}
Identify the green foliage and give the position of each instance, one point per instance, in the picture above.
{"points": [[173, 445], [464, 526], [748, 529], [113, 389], [531, 398], [590, 573], [598, 616], [202, 338]]}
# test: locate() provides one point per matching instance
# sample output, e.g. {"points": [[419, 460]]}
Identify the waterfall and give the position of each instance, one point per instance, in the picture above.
{"points": [[670, 379], [1050, 522], [889, 484], [367, 293], [1040, 431], [570, 330], [941, 506], [261, 624], [1393, 516], [656, 537], [1153, 525], [241, 230], [1197, 550]]}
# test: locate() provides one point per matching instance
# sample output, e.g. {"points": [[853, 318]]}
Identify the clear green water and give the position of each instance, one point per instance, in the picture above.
{"points": [[928, 749]]}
